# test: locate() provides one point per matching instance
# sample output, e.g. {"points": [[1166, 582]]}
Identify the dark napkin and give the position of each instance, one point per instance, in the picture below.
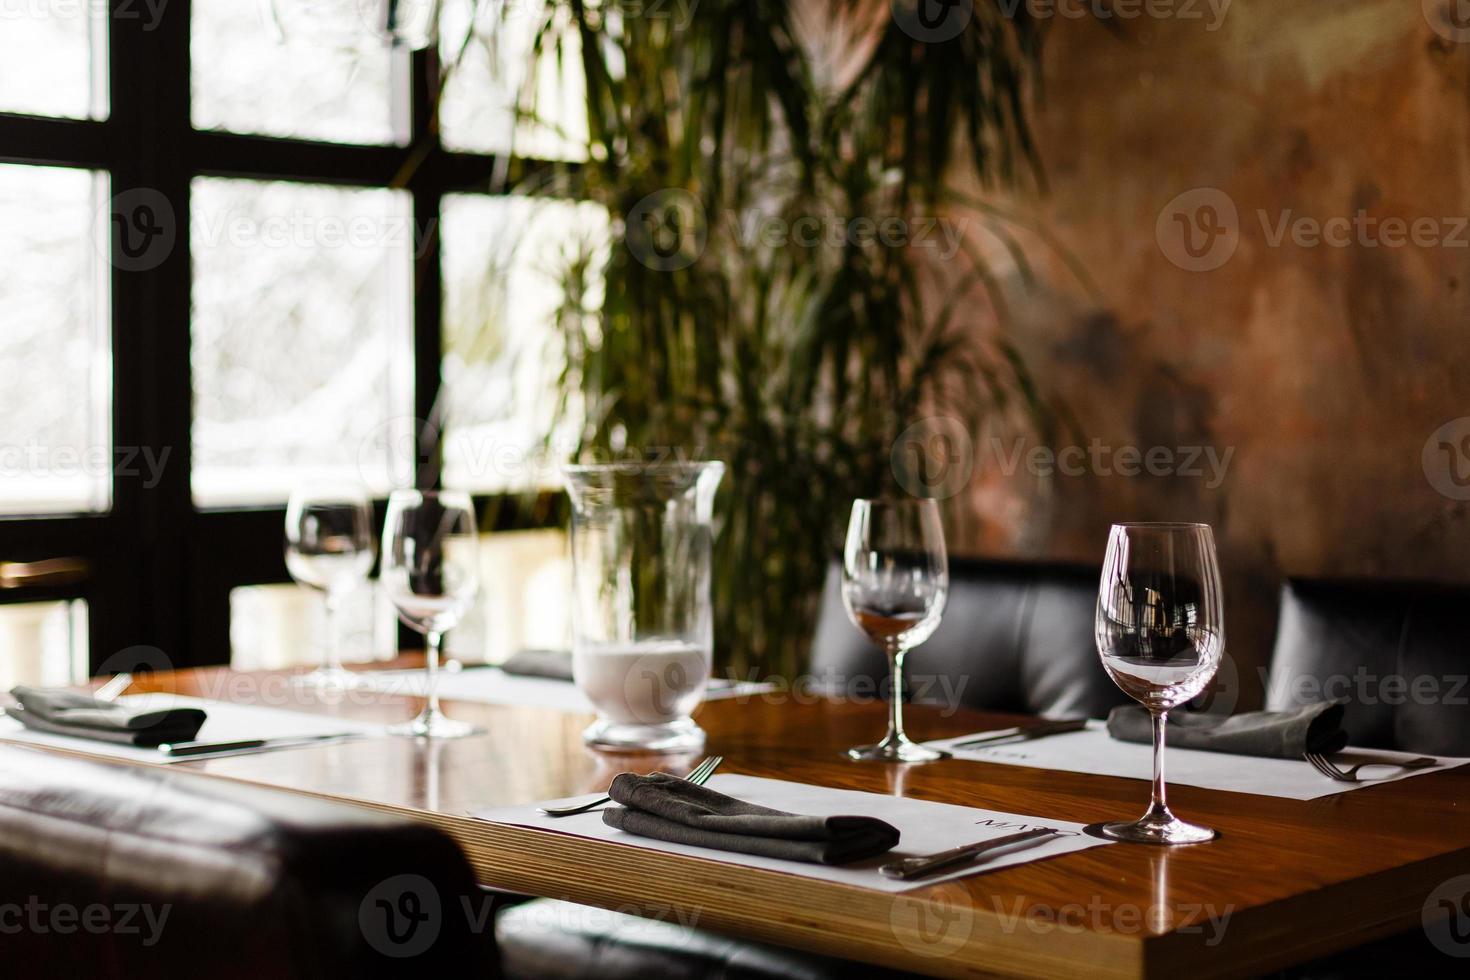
{"points": [[1270, 734], [553, 664], [70, 713], [672, 809]]}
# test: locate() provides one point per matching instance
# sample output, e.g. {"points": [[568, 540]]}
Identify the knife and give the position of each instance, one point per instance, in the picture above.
{"points": [[179, 750], [919, 867], [1005, 735]]}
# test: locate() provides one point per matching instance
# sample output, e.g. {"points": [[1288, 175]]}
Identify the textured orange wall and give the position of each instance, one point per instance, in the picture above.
{"points": [[1323, 369]]}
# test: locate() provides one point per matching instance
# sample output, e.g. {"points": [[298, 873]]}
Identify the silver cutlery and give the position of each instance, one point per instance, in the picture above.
{"points": [[114, 688], [1329, 769], [1005, 736], [178, 750], [699, 775], [919, 867]]}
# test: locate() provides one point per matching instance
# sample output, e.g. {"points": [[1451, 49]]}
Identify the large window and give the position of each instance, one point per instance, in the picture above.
{"points": [[238, 252]]}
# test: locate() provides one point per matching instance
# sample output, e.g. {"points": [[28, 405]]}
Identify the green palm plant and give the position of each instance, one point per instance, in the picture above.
{"points": [[797, 362]]}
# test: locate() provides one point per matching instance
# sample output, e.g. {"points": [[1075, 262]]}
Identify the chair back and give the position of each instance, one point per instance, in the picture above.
{"points": [[1397, 654]]}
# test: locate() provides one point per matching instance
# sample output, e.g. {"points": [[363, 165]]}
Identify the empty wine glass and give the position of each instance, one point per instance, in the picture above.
{"points": [[1161, 633], [431, 572], [329, 548], [895, 578]]}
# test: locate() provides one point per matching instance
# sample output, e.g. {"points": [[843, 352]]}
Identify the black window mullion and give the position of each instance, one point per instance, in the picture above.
{"points": [[428, 292], [147, 596]]}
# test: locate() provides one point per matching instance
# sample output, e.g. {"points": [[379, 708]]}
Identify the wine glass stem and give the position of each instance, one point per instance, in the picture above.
{"points": [[432, 685], [334, 650], [1158, 803], [895, 698]]}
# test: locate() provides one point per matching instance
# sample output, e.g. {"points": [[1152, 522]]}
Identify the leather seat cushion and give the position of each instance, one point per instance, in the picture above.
{"points": [[551, 940], [222, 879]]}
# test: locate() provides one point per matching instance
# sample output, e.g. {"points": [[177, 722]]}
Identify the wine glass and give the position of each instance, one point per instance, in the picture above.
{"points": [[329, 548], [895, 578], [1160, 631], [431, 571]]}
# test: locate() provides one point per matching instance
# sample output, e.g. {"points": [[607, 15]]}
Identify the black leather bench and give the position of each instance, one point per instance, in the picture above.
{"points": [[114, 872]]}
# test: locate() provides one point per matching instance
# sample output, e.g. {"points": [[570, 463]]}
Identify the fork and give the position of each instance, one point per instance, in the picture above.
{"points": [[1327, 768], [699, 775]]}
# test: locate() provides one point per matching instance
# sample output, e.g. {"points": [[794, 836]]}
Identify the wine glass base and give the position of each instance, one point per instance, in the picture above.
{"points": [[1152, 830], [900, 750], [676, 736], [433, 724]]}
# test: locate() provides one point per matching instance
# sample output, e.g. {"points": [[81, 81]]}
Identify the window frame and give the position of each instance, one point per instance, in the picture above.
{"points": [[162, 568]]}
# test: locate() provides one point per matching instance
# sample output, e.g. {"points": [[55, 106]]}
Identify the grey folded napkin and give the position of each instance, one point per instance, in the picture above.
{"points": [[671, 809], [70, 713], [1270, 734], [553, 664]]}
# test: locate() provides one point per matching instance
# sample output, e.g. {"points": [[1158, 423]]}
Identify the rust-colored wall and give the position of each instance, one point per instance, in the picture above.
{"points": [[1322, 370]]}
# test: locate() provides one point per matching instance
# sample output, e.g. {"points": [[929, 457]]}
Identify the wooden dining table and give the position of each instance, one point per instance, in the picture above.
{"points": [[1285, 882]]}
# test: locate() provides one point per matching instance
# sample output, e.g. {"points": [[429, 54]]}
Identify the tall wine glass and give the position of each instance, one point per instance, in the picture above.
{"points": [[895, 578], [1161, 633], [431, 571], [329, 548]]}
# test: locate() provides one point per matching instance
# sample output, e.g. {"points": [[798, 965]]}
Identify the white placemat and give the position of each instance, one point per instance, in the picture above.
{"points": [[225, 722], [490, 685], [924, 827], [1097, 752]]}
